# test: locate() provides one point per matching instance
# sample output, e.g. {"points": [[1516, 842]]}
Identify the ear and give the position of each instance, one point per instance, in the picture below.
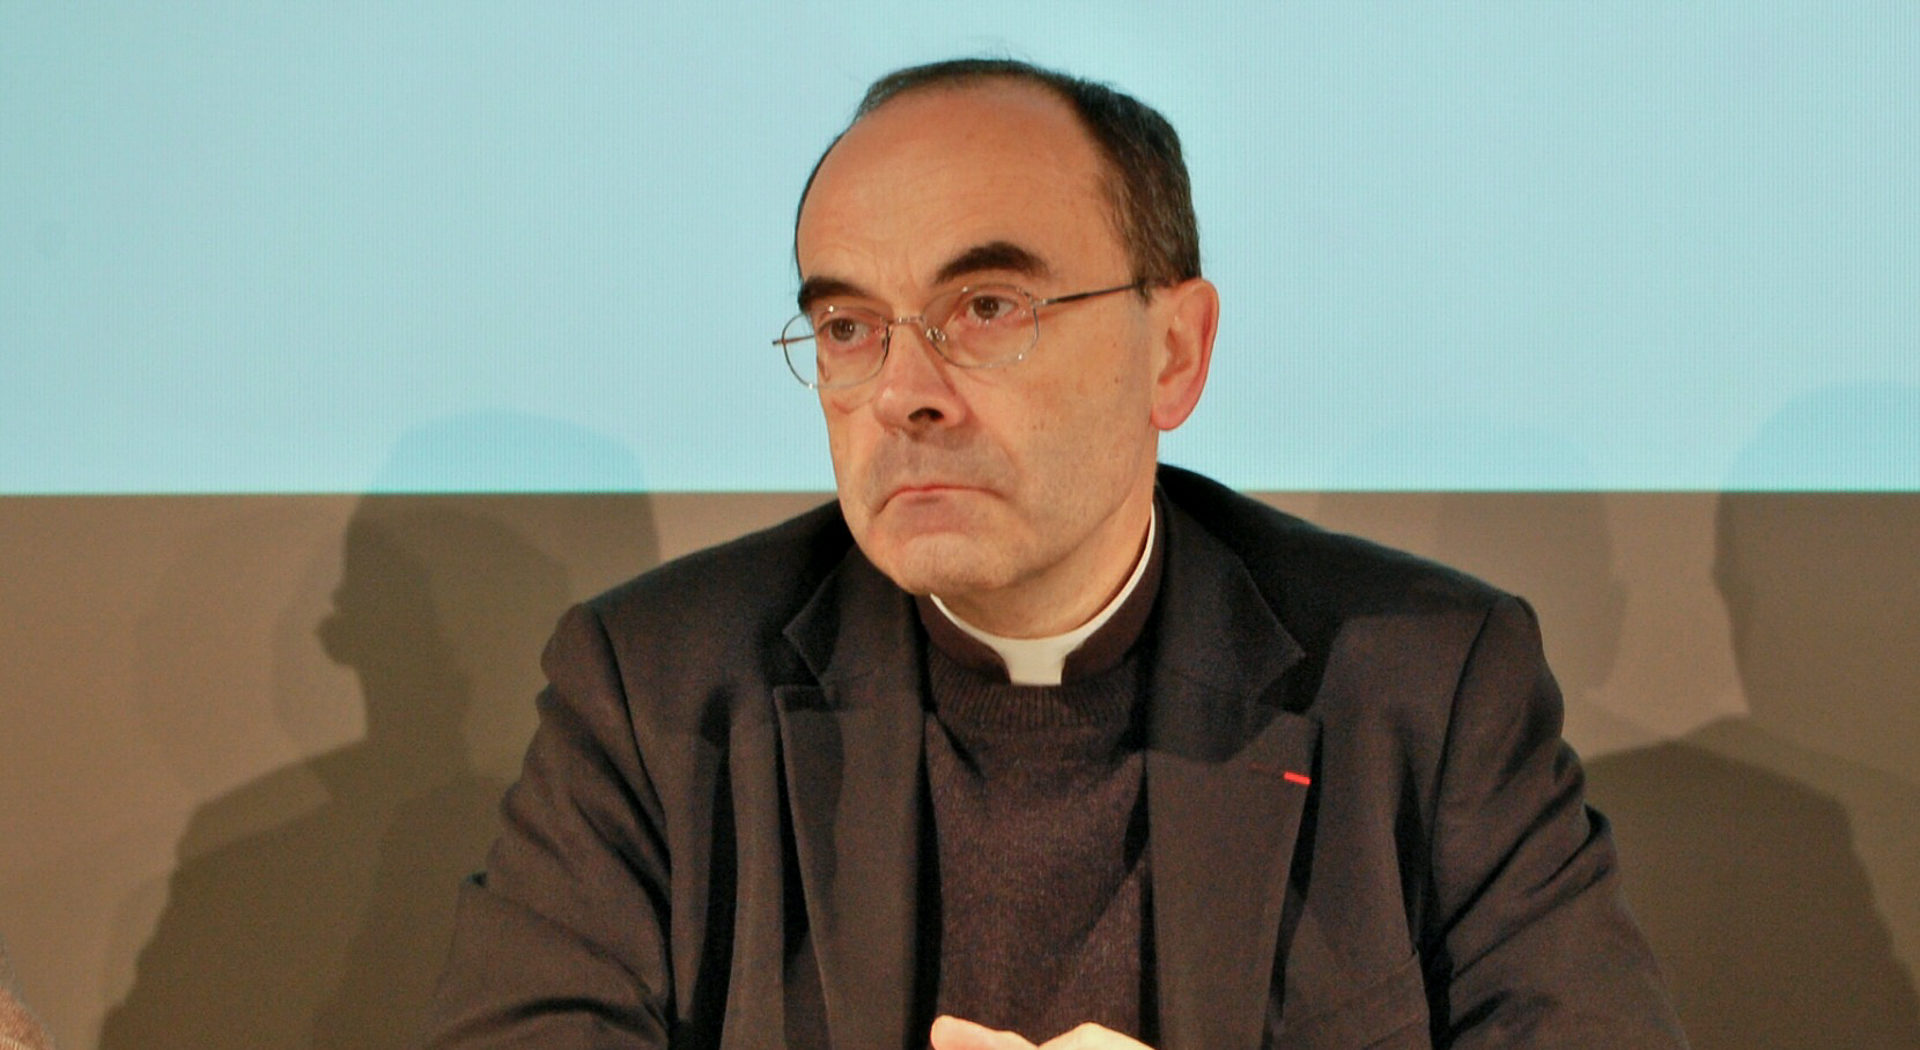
{"points": [[1188, 314]]}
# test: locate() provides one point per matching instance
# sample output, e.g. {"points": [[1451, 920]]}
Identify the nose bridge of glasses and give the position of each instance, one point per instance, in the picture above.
{"points": [[931, 333], [916, 369]]}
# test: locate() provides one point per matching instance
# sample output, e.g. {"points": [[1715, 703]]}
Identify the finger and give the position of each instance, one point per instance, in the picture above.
{"points": [[1091, 1036], [953, 1033]]}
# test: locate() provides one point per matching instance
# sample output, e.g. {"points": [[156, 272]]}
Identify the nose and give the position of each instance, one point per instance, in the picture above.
{"points": [[915, 386]]}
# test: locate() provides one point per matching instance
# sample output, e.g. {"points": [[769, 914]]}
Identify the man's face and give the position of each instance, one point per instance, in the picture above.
{"points": [[1019, 495]]}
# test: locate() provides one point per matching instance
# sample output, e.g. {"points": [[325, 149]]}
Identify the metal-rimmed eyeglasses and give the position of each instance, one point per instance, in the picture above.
{"points": [[832, 346]]}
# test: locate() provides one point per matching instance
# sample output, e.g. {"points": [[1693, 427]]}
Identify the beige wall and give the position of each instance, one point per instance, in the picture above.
{"points": [[250, 742]]}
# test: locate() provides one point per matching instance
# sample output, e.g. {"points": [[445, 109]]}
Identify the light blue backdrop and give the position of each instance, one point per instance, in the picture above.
{"points": [[529, 247]]}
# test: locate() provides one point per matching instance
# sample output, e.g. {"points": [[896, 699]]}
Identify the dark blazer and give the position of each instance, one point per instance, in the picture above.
{"points": [[1364, 828]]}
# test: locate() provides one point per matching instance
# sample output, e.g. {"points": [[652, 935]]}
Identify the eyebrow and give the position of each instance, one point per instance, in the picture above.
{"points": [[993, 255], [1002, 256], [814, 289]]}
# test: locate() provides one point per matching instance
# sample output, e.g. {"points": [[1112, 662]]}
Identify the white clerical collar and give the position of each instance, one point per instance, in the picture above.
{"points": [[1041, 661]]}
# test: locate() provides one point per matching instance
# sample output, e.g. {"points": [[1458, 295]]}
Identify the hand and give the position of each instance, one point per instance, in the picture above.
{"points": [[951, 1033]]}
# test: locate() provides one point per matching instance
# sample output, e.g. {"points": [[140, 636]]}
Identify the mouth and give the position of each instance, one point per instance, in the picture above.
{"points": [[916, 476], [925, 490]]}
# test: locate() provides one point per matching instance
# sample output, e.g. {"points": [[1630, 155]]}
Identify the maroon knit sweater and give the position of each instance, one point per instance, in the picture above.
{"points": [[1040, 894]]}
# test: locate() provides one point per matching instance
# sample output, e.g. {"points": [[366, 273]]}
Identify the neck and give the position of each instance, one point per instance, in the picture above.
{"points": [[1043, 661], [1075, 591]]}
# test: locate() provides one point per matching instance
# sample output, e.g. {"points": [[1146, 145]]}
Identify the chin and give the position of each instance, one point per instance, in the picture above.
{"points": [[943, 564]]}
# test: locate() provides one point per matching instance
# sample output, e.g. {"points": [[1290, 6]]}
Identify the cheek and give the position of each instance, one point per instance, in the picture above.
{"points": [[1098, 440], [841, 448], [1073, 445], [847, 487], [1108, 402], [851, 441], [836, 434]]}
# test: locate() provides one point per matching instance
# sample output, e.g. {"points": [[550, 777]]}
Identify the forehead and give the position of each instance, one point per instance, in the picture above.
{"points": [[939, 171]]}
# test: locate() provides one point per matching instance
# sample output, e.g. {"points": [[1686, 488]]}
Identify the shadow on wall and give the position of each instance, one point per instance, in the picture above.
{"points": [[1765, 853], [328, 927], [1775, 859]]}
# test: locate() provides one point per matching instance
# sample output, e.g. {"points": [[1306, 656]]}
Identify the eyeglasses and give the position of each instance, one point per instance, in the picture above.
{"points": [[831, 347]]}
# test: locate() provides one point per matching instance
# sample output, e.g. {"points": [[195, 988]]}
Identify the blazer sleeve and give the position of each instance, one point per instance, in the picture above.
{"points": [[562, 942], [1530, 943]]}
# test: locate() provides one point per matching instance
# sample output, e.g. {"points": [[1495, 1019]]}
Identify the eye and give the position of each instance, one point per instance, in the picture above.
{"points": [[990, 307], [835, 330]]}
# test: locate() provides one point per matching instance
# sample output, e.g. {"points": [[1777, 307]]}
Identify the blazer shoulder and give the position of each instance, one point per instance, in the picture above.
{"points": [[724, 605], [1309, 573]]}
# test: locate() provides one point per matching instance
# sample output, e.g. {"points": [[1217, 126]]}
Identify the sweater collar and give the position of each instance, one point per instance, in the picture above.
{"points": [[1095, 646]]}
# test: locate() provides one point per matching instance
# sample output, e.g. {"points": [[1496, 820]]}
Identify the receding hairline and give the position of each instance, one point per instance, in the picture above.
{"points": [[1107, 176], [965, 81]]}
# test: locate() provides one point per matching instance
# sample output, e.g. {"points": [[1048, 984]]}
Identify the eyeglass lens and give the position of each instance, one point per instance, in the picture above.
{"points": [[833, 346]]}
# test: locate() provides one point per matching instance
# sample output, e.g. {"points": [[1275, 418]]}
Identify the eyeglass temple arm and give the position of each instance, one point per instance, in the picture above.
{"points": [[1130, 286]]}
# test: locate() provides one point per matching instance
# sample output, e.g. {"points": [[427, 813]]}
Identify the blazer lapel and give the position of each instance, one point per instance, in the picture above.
{"points": [[852, 751], [1227, 774]]}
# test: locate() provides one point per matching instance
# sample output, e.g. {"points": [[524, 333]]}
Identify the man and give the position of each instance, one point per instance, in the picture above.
{"points": [[1027, 740]]}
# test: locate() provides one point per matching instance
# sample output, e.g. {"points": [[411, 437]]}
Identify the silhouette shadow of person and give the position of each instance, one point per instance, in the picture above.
{"points": [[1766, 854], [312, 906]]}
